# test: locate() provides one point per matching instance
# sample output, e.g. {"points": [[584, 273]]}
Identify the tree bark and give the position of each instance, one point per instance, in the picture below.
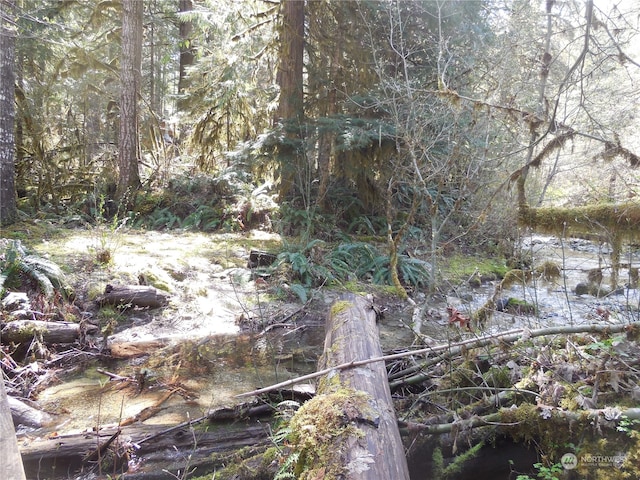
{"points": [[130, 79], [372, 449], [290, 80], [187, 56], [8, 207], [10, 459]]}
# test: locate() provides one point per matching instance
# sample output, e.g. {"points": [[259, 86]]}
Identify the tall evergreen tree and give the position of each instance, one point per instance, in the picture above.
{"points": [[8, 208], [290, 109], [130, 79], [187, 50]]}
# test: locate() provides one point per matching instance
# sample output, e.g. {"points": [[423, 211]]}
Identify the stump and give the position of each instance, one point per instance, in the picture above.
{"points": [[258, 258], [349, 430]]}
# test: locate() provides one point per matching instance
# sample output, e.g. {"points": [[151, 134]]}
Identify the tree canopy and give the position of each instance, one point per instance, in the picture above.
{"points": [[379, 114]]}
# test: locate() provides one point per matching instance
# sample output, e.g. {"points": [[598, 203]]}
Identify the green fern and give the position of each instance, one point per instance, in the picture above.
{"points": [[346, 262], [17, 267], [287, 469], [300, 291], [48, 274], [414, 271], [205, 218]]}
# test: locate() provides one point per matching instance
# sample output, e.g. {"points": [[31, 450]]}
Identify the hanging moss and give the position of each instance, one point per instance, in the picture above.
{"points": [[453, 469], [525, 424]]}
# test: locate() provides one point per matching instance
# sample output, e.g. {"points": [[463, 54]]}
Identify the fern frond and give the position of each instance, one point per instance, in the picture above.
{"points": [[287, 469], [17, 265], [41, 279], [49, 270]]}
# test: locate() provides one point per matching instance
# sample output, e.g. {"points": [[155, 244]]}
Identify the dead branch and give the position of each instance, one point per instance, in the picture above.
{"points": [[611, 415], [451, 350], [507, 337], [148, 412]]}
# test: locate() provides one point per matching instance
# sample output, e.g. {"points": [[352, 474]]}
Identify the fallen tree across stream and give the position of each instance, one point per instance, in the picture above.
{"points": [[351, 417], [349, 429]]}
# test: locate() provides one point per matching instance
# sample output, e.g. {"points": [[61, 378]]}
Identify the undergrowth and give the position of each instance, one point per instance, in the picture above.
{"points": [[20, 269], [318, 263]]}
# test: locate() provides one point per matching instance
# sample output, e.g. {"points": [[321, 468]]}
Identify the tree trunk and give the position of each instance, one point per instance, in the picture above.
{"points": [[8, 208], [187, 56], [327, 140], [368, 446], [11, 461], [130, 78], [290, 80]]}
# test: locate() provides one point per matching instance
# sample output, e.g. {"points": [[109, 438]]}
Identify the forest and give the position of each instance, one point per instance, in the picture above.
{"points": [[341, 239]]}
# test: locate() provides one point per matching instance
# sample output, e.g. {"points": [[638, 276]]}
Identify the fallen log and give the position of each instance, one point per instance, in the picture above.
{"points": [[27, 415], [20, 331], [131, 296], [11, 461], [349, 430], [158, 448]]}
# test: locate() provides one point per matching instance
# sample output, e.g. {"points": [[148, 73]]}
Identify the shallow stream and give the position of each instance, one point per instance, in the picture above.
{"points": [[207, 370]]}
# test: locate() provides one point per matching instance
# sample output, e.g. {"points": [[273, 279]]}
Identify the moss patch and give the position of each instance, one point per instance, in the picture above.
{"points": [[462, 267], [340, 306], [321, 429]]}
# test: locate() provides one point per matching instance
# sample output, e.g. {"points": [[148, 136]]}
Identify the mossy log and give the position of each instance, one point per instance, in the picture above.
{"points": [[11, 461], [159, 448], [609, 219], [20, 331], [349, 430], [131, 296], [610, 417], [613, 222]]}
